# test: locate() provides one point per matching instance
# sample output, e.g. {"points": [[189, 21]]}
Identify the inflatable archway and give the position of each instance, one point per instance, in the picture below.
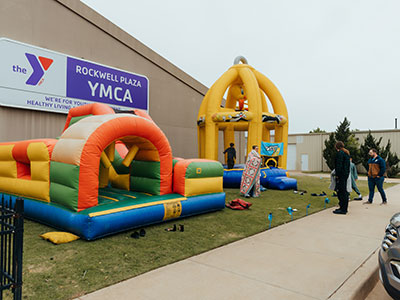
{"points": [[246, 87], [89, 138]]}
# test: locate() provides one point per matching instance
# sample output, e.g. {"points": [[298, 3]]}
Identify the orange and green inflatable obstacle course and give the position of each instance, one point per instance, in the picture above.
{"points": [[107, 173]]}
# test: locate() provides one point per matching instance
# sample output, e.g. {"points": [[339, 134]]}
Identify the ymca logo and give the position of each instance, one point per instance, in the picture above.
{"points": [[39, 65]]}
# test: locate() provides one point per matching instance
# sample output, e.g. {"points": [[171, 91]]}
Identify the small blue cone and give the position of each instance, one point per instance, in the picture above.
{"points": [[290, 211], [326, 201], [270, 220]]}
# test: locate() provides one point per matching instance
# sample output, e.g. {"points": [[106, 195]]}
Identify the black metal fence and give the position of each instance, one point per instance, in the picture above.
{"points": [[11, 243]]}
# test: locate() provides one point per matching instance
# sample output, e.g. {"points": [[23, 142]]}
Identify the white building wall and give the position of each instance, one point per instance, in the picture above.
{"points": [[312, 144]]}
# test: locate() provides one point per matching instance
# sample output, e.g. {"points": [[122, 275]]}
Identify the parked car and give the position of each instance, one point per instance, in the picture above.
{"points": [[389, 258]]}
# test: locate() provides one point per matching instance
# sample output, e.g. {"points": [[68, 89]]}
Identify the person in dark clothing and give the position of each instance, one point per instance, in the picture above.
{"points": [[231, 153], [376, 171], [342, 170]]}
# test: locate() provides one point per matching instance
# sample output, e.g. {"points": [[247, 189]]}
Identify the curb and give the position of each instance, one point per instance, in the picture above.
{"points": [[361, 282]]}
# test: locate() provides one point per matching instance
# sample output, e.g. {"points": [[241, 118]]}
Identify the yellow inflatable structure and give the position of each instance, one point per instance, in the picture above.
{"points": [[246, 109]]}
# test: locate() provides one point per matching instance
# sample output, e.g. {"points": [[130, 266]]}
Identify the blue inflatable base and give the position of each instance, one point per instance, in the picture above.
{"points": [[91, 228], [281, 183], [272, 178]]}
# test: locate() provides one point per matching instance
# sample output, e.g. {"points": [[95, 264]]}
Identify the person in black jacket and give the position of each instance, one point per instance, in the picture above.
{"points": [[231, 155], [342, 170]]}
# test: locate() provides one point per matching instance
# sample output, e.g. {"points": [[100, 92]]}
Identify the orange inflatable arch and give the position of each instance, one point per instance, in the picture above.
{"points": [[82, 144]]}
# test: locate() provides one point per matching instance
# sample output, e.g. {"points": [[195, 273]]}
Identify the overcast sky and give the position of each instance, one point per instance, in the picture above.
{"points": [[329, 59]]}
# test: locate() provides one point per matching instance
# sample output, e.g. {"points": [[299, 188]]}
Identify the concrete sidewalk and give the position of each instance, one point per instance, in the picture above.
{"points": [[322, 256]]}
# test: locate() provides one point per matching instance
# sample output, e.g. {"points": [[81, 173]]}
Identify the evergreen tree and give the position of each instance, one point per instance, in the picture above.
{"points": [[392, 166], [354, 147], [344, 134], [329, 153]]}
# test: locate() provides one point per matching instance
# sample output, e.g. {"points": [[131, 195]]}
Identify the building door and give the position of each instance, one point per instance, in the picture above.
{"points": [[291, 157], [304, 162]]}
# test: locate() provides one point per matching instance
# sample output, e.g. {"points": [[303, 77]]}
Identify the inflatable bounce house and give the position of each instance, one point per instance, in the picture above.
{"points": [[246, 109], [107, 172]]}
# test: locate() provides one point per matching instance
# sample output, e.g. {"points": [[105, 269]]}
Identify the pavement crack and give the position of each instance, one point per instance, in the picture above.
{"points": [[352, 274]]}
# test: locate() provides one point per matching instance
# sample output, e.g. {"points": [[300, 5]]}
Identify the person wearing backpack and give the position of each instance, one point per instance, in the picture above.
{"points": [[376, 171]]}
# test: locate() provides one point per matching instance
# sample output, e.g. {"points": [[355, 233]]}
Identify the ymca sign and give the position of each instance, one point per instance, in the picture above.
{"points": [[40, 79]]}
